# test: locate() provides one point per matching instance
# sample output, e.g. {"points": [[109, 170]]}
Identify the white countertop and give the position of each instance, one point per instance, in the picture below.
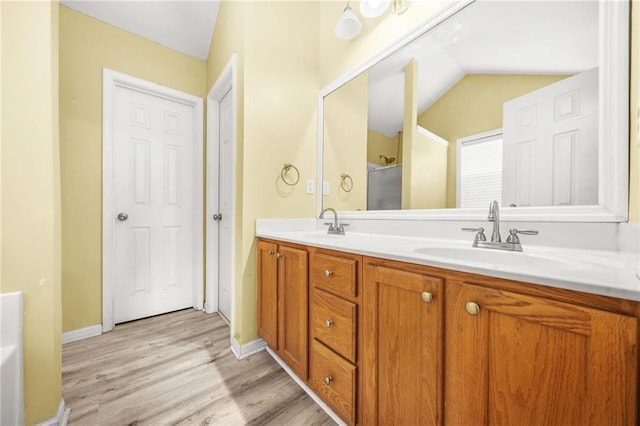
{"points": [[601, 272]]}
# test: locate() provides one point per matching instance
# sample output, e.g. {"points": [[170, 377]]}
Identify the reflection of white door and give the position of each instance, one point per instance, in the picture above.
{"points": [[153, 156], [225, 199], [550, 148]]}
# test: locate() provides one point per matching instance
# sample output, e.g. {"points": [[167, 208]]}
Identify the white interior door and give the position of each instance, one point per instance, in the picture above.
{"points": [[225, 196], [550, 145], [221, 194], [153, 157]]}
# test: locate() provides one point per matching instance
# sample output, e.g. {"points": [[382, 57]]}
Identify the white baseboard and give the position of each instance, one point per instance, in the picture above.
{"points": [[60, 419], [307, 389], [81, 333], [243, 351], [209, 308]]}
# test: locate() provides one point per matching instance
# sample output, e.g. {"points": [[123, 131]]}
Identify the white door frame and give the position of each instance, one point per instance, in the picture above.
{"points": [[224, 83], [110, 81]]}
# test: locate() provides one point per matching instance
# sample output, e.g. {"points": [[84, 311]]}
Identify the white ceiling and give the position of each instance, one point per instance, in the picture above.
{"points": [[185, 26], [487, 37]]}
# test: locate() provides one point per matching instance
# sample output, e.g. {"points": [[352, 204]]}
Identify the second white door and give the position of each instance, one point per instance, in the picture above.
{"points": [[225, 199], [153, 157]]}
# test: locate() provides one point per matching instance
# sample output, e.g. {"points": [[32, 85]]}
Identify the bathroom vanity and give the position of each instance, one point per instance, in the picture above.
{"points": [[384, 341], [421, 327]]}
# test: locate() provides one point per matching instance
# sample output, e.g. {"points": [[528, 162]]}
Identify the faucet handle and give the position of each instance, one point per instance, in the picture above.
{"points": [[523, 231], [513, 234], [330, 225], [480, 233], [341, 228]]}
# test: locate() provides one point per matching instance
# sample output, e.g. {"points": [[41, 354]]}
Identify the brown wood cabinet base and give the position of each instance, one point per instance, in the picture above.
{"points": [[397, 343]]}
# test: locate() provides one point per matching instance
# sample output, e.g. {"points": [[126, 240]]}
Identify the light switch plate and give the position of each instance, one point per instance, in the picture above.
{"points": [[325, 188], [309, 186]]}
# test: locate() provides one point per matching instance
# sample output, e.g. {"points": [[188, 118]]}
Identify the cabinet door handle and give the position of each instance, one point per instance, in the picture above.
{"points": [[472, 308], [279, 255], [328, 323], [427, 296], [328, 380], [270, 252], [328, 273]]}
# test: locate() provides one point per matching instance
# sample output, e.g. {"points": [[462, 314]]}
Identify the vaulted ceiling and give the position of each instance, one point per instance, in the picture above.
{"points": [[185, 26], [487, 37]]}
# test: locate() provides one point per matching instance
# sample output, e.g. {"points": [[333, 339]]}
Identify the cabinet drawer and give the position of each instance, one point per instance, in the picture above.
{"points": [[333, 322], [334, 380], [335, 273]]}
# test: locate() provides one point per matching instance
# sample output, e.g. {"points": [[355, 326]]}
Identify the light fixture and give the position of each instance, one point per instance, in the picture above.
{"points": [[400, 6], [348, 25], [373, 8]]}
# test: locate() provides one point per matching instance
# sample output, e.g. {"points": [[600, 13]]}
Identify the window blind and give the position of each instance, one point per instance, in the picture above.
{"points": [[481, 171]]}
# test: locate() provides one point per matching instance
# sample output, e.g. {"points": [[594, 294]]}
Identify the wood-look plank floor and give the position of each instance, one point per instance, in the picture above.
{"points": [[178, 368]]}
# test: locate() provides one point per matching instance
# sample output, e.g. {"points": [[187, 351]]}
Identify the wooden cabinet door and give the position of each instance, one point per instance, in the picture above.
{"points": [[268, 293], [402, 347], [529, 360], [293, 272]]}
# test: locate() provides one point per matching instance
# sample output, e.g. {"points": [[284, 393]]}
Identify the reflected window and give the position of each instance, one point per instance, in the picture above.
{"points": [[479, 170]]}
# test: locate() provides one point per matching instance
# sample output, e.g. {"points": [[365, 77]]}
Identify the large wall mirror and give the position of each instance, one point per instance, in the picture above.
{"points": [[524, 102]]}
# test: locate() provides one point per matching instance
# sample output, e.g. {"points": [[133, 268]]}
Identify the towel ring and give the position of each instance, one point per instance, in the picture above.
{"points": [[346, 183], [284, 172]]}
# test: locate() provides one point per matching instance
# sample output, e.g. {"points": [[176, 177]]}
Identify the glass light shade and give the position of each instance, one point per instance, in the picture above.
{"points": [[373, 8], [348, 25]]}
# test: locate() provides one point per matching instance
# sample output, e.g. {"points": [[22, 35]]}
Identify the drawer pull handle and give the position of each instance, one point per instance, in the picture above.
{"points": [[328, 323], [328, 380], [270, 252], [427, 296], [472, 308], [328, 273], [279, 255]]}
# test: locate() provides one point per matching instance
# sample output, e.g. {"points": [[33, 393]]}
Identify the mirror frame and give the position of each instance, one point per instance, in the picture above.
{"points": [[613, 130]]}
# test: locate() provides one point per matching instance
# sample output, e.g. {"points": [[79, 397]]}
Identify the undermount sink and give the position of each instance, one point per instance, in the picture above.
{"points": [[496, 257]]}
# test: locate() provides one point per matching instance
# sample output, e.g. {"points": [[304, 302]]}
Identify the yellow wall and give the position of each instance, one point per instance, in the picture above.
{"points": [[424, 166], [277, 82], [345, 140], [31, 193], [379, 144], [86, 46], [472, 106], [634, 149], [429, 177], [409, 129]]}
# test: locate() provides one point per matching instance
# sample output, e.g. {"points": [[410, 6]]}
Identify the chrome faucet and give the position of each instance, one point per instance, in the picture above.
{"points": [[494, 216], [513, 242], [334, 228]]}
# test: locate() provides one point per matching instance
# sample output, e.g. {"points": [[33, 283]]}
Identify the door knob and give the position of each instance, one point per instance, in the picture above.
{"points": [[328, 380], [122, 217], [472, 308], [217, 216], [427, 296], [328, 323], [328, 273]]}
